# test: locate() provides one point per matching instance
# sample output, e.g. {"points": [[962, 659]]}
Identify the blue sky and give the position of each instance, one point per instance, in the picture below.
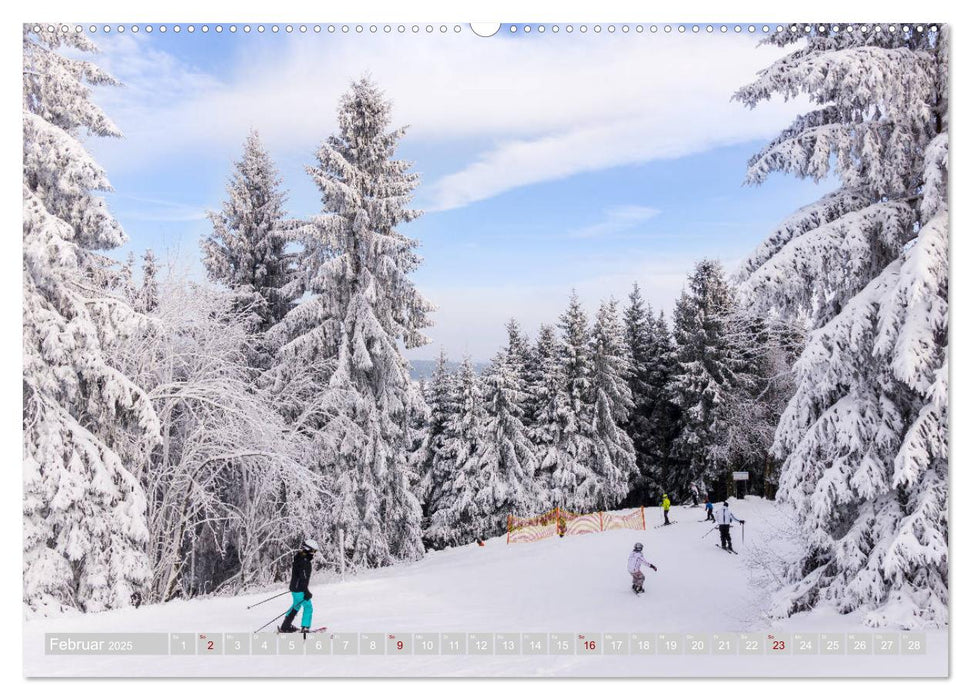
{"points": [[548, 162]]}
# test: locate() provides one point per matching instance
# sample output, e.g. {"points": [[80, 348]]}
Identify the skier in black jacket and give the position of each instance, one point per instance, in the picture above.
{"points": [[299, 588]]}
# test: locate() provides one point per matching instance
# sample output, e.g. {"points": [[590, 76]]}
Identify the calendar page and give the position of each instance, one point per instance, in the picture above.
{"points": [[478, 350]]}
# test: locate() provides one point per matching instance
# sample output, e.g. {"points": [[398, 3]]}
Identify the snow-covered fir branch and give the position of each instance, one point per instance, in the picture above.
{"points": [[864, 437]]}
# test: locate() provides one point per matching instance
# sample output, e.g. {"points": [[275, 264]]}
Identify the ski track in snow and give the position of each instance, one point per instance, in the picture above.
{"points": [[577, 584]]}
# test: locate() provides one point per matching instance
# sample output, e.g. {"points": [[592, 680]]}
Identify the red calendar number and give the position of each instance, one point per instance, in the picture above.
{"points": [[590, 645], [400, 645], [209, 646], [778, 645]]}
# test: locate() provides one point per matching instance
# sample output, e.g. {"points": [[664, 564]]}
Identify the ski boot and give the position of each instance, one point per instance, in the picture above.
{"points": [[287, 625]]}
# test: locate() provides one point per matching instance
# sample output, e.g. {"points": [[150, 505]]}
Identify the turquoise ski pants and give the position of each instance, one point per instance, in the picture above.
{"points": [[308, 608]]}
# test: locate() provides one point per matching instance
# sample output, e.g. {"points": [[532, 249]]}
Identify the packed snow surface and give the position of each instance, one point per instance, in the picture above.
{"points": [[577, 584]]}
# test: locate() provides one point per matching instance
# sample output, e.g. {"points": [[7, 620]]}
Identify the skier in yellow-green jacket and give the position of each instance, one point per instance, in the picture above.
{"points": [[666, 505]]}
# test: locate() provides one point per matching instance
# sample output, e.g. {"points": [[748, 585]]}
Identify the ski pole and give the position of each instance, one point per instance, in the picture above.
{"points": [[248, 607], [272, 621], [743, 533], [709, 532]]}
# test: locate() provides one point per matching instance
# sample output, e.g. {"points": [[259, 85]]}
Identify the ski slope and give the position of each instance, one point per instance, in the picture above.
{"points": [[577, 584]]}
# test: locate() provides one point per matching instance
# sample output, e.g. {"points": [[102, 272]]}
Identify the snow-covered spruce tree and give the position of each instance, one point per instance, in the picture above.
{"points": [[614, 458], [544, 431], [639, 327], [638, 320], [573, 477], [360, 307], [86, 426], [246, 250], [654, 421], [520, 361], [459, 517], [665, 415], [864, 438], [703, 374], [506, 463], [124, 282], [147, 299], [433, 467]]}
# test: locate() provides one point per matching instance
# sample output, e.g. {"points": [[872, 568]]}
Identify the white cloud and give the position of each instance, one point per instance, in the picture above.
{"points": [[537, 108], [617, 219], [149, 209], [155, 88]]}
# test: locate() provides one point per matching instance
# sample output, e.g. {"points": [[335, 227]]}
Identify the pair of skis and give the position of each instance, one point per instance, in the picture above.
{"points": [[315, 630], [278, 630], [726, 549], [665, 524]]}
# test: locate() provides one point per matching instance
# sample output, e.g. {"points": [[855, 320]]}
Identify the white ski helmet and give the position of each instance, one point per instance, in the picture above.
{"points": [[310, 544]]}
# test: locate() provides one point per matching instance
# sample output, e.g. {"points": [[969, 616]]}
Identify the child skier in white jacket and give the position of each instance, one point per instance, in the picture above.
{"points": [[634, 563]]}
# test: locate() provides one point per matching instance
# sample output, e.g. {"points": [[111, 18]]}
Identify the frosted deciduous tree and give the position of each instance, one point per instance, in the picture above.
{"points": [[865, 437], [763, 348], [227, 493], [85, 424]]}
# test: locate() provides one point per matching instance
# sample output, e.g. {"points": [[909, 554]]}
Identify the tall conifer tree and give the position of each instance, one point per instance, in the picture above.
{"points": [[361, 308], [246, 250], [86, 426], [614, 455], [703, 376], [865, 437]]}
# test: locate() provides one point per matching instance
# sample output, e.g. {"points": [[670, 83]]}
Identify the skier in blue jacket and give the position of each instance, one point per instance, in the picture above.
{"points": [[299, 588]]}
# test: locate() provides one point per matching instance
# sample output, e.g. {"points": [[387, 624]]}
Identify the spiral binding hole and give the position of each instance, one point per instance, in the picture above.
{"points": [[905, 29]]}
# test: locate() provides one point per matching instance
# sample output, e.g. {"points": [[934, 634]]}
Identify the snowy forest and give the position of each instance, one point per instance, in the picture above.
{"points": [[182, 435]]}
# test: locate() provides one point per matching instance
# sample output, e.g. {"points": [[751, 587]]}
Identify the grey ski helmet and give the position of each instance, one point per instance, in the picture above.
{"points": [[310, 544], [638, 547]]}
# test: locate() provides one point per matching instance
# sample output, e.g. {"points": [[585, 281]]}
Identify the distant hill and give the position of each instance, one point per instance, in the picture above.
{"points": [[423, 369]]}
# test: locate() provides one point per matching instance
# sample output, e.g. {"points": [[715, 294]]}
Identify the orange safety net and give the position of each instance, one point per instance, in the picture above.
{"points": [[563, 522], [630, 520], [531, 529]]}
